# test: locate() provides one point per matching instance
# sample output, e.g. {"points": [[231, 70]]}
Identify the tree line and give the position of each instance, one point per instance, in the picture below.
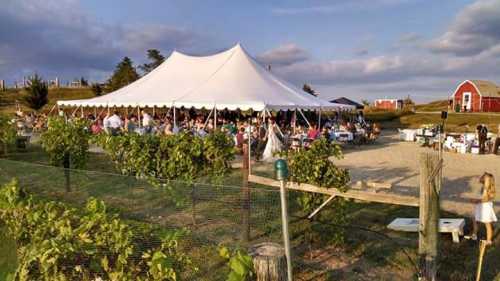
{"points": [[125, 73]]}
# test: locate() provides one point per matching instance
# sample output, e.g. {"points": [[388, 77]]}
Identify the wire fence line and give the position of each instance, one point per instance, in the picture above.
{"points": [[214, 214]]}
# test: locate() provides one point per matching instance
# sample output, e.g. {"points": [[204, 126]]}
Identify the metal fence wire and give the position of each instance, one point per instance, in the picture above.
{"points": [[221, 214]]}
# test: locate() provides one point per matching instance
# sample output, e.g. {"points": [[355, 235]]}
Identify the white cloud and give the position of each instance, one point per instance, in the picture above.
{"points": [[338, 7], [284, 55], [59, 38], [475, 29]]}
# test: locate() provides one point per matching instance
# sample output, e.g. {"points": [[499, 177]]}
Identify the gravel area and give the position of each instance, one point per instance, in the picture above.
{"points": [[393, 161]]}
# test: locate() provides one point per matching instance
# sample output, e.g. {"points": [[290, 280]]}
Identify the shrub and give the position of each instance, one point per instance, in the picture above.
{"points": [[7, 132], [66, 139], [56, 242], [315, 166]]}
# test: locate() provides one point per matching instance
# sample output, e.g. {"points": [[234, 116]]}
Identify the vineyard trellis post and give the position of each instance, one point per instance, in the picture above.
{"points": [[430, 186], [282, 175], [246, 194]]}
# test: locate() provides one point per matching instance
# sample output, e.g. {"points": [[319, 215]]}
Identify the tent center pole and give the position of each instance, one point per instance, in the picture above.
{"points": [[175, 118], [139, 116], [319, 119], [295, 121], [303, 116], [215, 118]]}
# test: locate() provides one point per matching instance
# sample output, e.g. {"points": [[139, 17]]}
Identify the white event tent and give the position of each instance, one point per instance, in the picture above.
{"points": [[228, 80]]}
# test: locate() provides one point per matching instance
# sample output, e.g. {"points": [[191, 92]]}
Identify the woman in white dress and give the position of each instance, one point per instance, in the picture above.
{"points": [[273, 144], [484, 211]]}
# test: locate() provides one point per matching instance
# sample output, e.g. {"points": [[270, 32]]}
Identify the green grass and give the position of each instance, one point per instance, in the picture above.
{"points": [[371, 250], [434, 106], [9, 97]]}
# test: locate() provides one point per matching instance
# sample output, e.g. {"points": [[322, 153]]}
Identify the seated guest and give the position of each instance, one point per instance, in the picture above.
{"points": [[313, 132], [131, 125], [168, 129], [113, 124], [96, 127]]}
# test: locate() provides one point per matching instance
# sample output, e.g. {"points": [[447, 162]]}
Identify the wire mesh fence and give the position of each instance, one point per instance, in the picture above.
{"points": [[223, 214]]}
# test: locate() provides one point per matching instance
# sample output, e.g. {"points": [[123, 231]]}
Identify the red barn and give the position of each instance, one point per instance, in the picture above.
{"points": [[389, 104], [476, 96]]}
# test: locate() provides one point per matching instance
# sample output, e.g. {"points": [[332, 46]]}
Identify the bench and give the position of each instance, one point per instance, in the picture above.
{"points": [[453, 226]]}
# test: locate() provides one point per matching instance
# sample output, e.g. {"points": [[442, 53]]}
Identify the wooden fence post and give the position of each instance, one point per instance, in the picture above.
{"points": [[430, 184], [245, 194]]}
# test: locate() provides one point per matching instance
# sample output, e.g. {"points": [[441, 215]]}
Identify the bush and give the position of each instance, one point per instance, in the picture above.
{"points": [[65, 139], [7, 132], [175, 157], [314, 166], [56, 242]]}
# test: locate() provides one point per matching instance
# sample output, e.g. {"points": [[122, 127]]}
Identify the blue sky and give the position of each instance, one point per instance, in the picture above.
{"points": [[357, 48]]}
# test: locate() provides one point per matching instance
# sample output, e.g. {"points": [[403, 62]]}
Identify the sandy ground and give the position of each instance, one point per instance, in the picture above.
{"points": [[396, 162]]}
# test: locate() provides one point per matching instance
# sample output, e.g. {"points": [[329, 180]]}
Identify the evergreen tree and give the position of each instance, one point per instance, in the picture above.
{"points": [[124, 74], [96, 89], [84, 82], [308, 89], [155, 58], [37, 93]]}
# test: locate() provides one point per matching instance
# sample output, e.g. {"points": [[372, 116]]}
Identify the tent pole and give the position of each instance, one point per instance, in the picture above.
{"points": [[295, 121], [303, 116], [108, 109], [126, 111], [81, 111], [250, 146], [264, 118], [208, 118], [75, 110], [319, 119], [95, 112], [154, 111], [139, 116], [215, 118], [52, 109], [175, 118]]}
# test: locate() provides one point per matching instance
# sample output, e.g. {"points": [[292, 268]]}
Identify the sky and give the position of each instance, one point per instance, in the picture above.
{"points": [[362, 49]]}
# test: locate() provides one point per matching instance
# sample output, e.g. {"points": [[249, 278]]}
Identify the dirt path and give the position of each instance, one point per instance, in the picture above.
{"points": [[396, 162]]}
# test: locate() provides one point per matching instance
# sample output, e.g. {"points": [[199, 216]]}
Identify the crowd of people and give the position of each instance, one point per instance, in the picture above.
{"points": [[268, 135]]}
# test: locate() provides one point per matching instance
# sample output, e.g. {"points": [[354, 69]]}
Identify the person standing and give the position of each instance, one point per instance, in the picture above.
{"points": [[497, 141], [484, 211], [482, 132], [147, 122]]}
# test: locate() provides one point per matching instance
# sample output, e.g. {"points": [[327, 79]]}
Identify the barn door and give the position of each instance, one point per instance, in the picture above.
{"points": [[467, 102]]}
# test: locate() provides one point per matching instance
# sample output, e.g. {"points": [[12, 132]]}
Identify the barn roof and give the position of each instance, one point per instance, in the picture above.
{"points": [[486, 88], [344, 100]]}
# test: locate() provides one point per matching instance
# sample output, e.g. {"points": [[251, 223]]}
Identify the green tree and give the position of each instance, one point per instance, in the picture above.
{"points": [[84, 82], [365, 102], [37, 93], [155, 57], [96, 89], [124, 74], [308, 89]]}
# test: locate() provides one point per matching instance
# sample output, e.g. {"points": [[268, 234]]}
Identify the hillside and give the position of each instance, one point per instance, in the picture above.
{"points": [[434, 106], [9, 97]]}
